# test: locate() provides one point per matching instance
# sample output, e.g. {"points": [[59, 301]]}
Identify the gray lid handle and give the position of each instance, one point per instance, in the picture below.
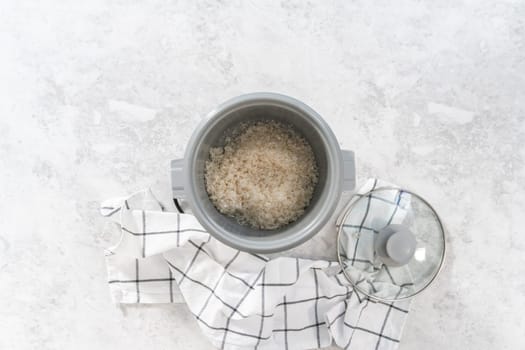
{"points": [[395, 244], [400, 247], [349, 178], [177, 178]]}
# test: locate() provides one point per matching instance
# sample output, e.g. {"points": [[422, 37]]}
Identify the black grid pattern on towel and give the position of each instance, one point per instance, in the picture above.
{"points": [[358, 229], [392, 205], [291, 326]]}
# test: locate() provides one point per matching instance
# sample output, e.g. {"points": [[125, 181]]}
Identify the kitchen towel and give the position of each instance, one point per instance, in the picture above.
{"points": [[241, 300], [362, 224]]}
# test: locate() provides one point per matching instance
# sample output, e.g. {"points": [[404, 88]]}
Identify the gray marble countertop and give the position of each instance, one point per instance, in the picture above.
{"points": [[97, 96]]}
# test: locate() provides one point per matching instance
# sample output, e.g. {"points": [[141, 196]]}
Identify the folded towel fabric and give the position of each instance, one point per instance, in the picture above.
{"points": [[241, 300], [382, 208]]}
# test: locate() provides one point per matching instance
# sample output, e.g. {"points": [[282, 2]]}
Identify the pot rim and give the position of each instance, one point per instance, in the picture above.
{"points": [[284, 240]]}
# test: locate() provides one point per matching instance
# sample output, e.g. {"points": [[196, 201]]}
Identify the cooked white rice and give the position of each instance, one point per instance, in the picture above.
{"points": [[264, 175]]}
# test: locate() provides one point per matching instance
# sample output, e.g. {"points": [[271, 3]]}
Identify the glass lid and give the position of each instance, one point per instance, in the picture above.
{"points": [[391, 243]]}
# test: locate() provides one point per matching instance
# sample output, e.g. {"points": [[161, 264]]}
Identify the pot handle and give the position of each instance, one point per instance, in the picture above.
{"points": [[177, 178], [349, 175]]}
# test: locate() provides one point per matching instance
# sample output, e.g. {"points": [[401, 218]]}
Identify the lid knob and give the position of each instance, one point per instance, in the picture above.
{"points": [[395, 244]]}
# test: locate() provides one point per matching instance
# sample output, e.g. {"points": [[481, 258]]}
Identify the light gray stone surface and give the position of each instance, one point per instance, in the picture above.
{"points": [[96, 97]]}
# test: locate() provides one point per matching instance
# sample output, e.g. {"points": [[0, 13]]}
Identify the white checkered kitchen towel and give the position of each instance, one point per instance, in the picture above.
{"points": [[242, 300], [368, 216]]}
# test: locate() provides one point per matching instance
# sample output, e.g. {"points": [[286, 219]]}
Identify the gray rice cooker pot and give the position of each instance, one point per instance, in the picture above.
{"points": [[336, 171]]}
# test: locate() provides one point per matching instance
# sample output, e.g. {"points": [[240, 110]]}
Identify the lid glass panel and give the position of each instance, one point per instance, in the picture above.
{"points": [[391, 243]]}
